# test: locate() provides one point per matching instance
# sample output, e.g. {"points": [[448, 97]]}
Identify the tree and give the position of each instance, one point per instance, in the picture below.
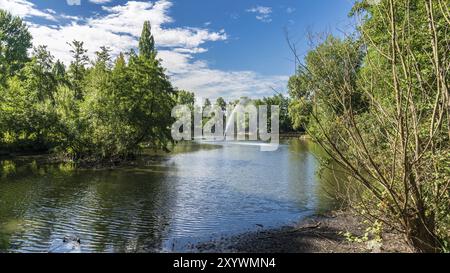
{"points": [[77, 68], [69, 132], [38, 74], [302, 94], [299, 111], [384, 119], [185, 98], [206, 103], [59, 72], [26, 117], [102, 113], [15, 40], [103, 57], [152, 102], [122, 110], [120, 63], [330, 65], [27, 105], [221, 103], [147, 42], [283, 102]]}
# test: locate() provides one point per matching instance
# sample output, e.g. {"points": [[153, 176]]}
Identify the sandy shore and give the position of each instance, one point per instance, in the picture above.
{"points": [[316, 234]]}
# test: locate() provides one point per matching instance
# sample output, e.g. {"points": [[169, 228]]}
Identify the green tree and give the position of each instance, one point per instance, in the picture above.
{"points": [[69, 132], [27, 104], [15, 40], [123, 109], [380, 112], [299, 111], [103, 57], [185, 98], [26, 117], [206, 103], [326, 69], [38, 76], [147, 42], [77, 68], [283, 102], [152, 102], [59, 72], [221, 103]]}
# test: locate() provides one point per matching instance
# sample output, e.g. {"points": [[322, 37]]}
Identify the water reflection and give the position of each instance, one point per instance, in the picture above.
{"points": [[162, 203]]}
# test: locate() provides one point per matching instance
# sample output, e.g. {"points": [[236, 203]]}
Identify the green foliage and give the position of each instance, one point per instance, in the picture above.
{"points": [[122, 109], [186, 98], [371, 234], [103, 57], [77, 68], [59, 72], [38, 74], [379, 105], [69, 130], [221, 103], [25, 117], [26, 106], [328, 68], [147, 42], [206, 103], [299, 111], [94, 111], [283, 102], [15, 40]]}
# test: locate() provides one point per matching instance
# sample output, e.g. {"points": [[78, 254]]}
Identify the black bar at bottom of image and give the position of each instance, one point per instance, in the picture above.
{"points": [[217, 262]]}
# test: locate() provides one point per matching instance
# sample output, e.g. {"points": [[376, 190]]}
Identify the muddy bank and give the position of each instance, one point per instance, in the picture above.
{"points": [[316, 234]]}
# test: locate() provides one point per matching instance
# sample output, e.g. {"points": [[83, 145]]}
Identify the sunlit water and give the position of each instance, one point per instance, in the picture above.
{"points": [[164, 203]]}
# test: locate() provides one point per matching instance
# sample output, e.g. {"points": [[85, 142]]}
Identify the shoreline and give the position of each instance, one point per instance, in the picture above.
{"points": [[322, 233], [92, 163]]}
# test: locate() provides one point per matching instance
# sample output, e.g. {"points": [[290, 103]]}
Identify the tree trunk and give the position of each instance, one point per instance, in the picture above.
{"points": [[421, 233]]}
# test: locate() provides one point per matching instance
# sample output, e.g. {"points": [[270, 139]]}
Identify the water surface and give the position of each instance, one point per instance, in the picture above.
{"points": [[163, 203]]}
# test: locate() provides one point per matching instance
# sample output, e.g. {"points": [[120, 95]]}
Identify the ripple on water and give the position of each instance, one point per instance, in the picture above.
{"points": [[173, 201]]}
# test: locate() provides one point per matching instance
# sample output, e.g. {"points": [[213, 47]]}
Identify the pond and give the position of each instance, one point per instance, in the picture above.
{"points": [[161, 203]]}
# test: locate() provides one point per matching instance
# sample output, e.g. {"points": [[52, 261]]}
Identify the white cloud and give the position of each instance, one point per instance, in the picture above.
{"points": [[120, 27], [130, 17], [100, 1], [263, 14], [213, 83], [191, 51], [50, 11], [25, 9], [93, 38], [261, 10]]}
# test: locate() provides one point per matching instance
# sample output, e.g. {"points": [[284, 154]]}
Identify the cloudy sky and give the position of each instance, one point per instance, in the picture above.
{"points": [[215, 48]]}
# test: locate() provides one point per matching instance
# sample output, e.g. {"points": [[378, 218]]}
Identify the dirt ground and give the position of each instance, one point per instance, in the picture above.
{"points": [[316, 234]]}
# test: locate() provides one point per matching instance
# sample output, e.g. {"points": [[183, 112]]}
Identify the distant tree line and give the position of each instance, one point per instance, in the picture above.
{"points": [[94, 109]]}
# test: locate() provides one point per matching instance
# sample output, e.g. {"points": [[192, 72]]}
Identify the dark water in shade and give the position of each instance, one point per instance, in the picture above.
{"points": [[163, 203]]}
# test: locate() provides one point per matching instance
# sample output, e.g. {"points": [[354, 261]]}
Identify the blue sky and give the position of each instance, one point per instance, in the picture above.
{"points": [[215, 48]]}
